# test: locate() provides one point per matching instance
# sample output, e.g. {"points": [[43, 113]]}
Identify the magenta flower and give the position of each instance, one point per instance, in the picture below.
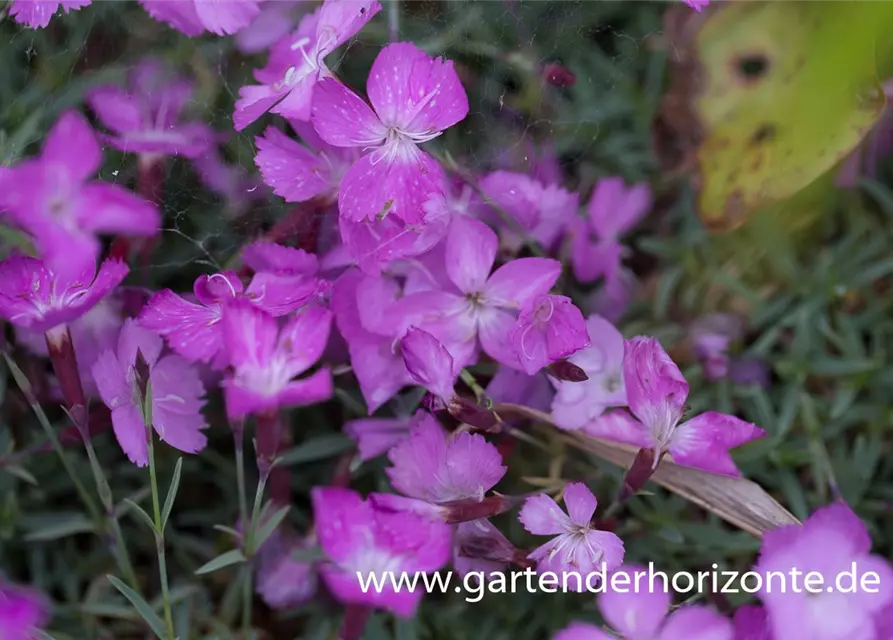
{"points": [[712, 336], [194, 17], [269, 256], [429, 363], [697, 5], [480, 547], [543, 210], [265, 360], [577, 404], [274, 22], [285, 582], [51, 198], [516, 387], [751, 623], [299, 172], [478, 304], [657, 392], [642, 614], [37, 13], [297, 63], [92, 333], [376, 363], [361, 541], [36, 298], [549, 328], [376, 244], [194, 331], [415, 98], [832, 541], [144, 118], [577, 545], [22, 612], [177, 394], [375, 436], [613, 210], [435, 468]]}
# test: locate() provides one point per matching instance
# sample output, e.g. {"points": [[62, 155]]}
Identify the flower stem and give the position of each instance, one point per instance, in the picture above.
{"points": [[394, 20], [239, 438], [159, 539], [121, 555]]}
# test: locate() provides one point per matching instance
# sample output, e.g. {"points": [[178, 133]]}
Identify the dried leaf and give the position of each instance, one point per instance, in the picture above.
{"points": [[739, 501]]}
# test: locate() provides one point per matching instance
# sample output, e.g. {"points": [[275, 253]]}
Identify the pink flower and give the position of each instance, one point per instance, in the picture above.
{"points": [[375, 244], [265, 360], [613, 210], [361, 541], [657, 392], [577, 546], [697, 5], [415, 98], [194, 331], [297, 63], [375, 436], [543, 210], [478, 304], [641, 614], [177, 394], [516, 387], [430, 466], [751, 623], [299, 172], [37, 13], [549, 328], [194, 17], [51, 198], [376, 363], [22, 612], [577, 404], [92, 333], [429, 363], [832, 541], [34, 297], [269, 256], [274, 22], [283, 581], [144, 118], [711, 336]]}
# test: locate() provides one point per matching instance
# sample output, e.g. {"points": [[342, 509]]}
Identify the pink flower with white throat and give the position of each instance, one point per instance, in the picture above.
{"points": [[414, 99], [359, 538], [177, 394], [657, 392], [577, 545], [297, 62], [53, 198], [266, 360]]}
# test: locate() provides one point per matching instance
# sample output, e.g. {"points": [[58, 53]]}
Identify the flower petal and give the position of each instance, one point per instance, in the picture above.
{"points": [[116, 109], [517, 282], [429, 363], [414, 92], [108, 208], [191, 330], [249, 334], [704, 442], [541, 516], [655, 388], [696, 623], [580, 502], [130, 432], [72, 144], [291, 169], [315, 388], [470, 252], [342, 118], [225, 17]]}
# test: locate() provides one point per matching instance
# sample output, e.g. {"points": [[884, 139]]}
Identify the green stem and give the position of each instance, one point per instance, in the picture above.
{"points": [[249, 552], [105, 496], [469, 379], [159, 539], [239, 437]]}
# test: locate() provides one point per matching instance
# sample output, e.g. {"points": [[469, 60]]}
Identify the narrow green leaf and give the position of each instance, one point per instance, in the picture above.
{"points": [[141, 605], [145, 517], [21, 473], [59, 527], [229, 530], [317, 449], [234, 556], [268, 527], [171, 494]]}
